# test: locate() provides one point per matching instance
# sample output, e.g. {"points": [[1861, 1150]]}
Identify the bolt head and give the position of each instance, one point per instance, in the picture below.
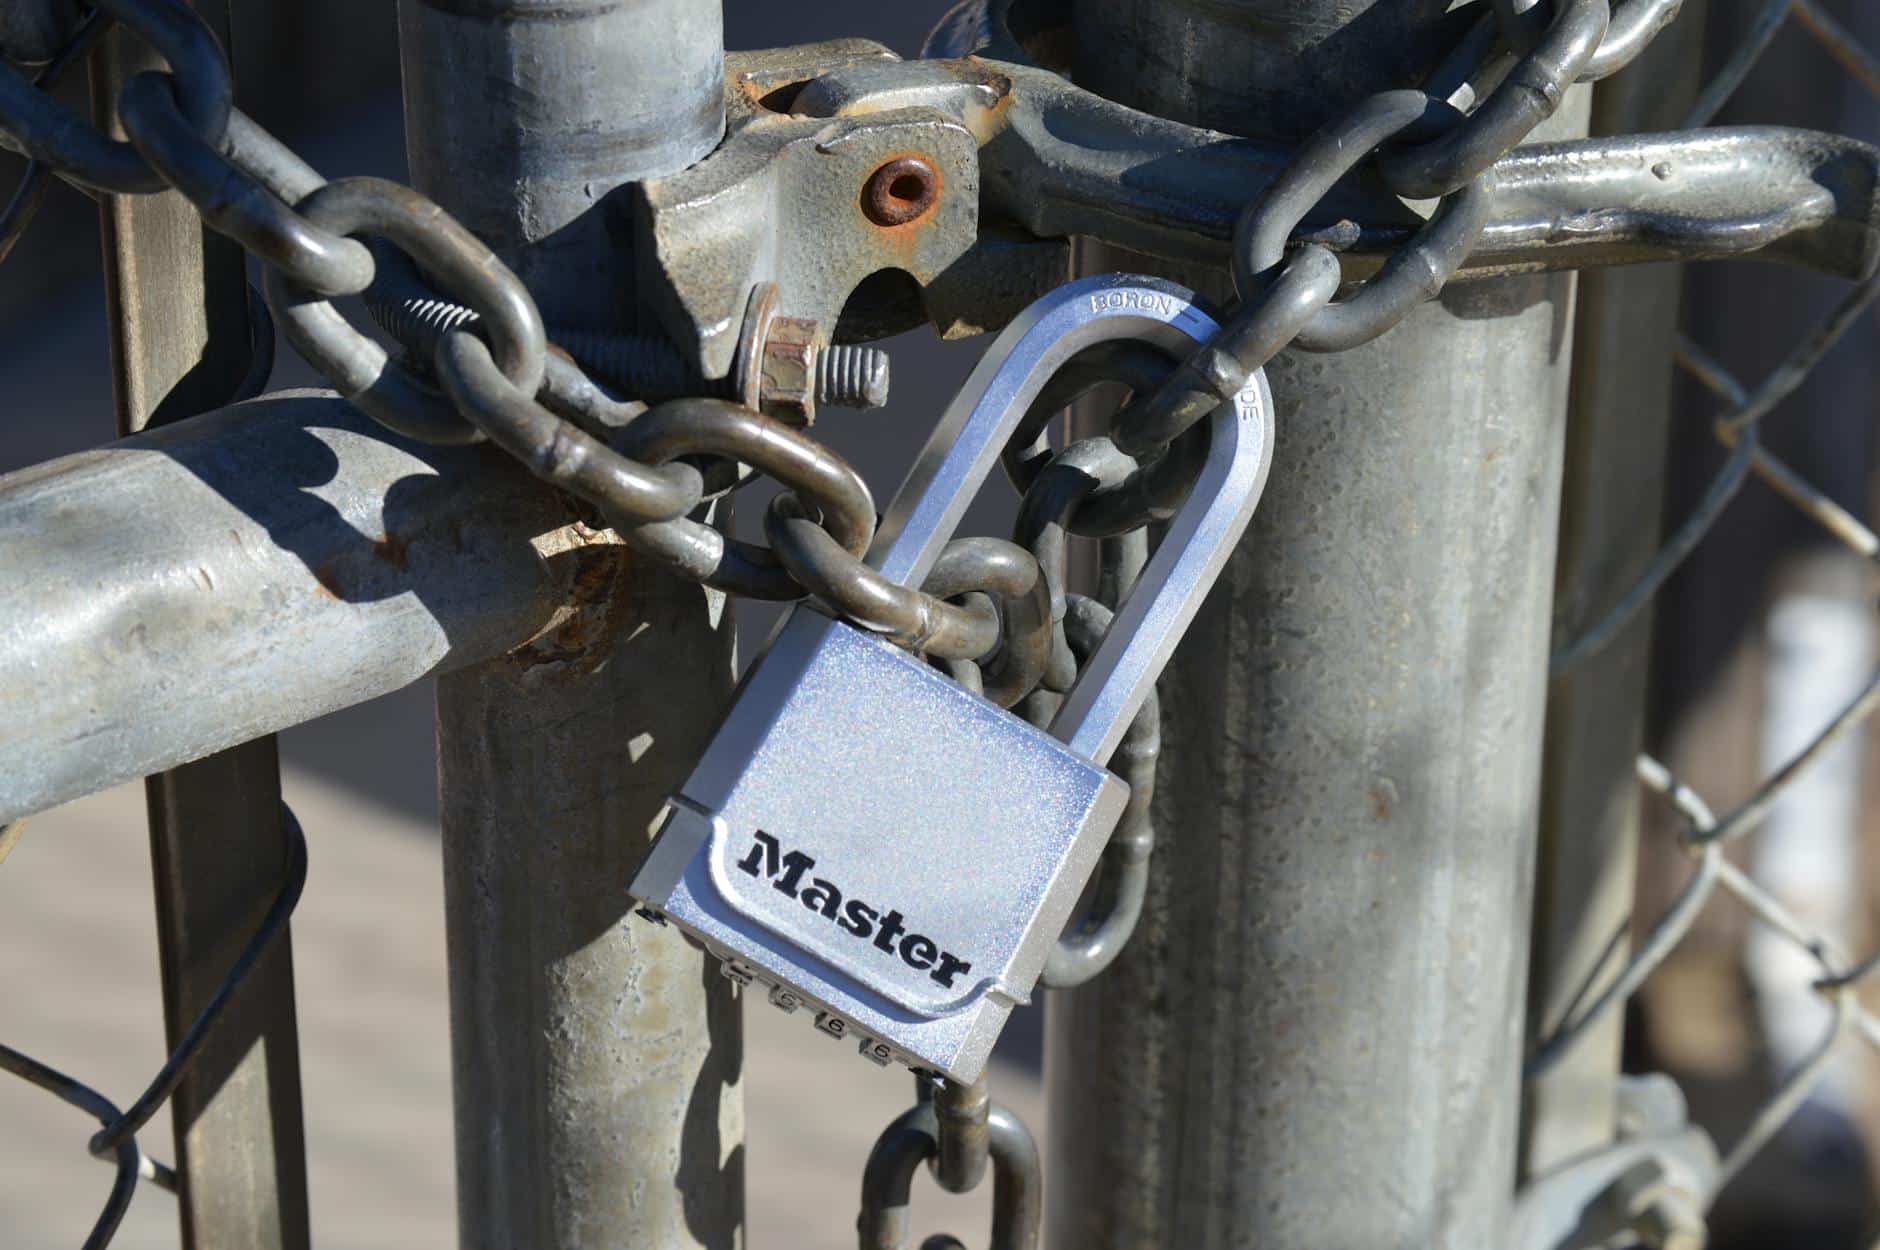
{"points": [[787, 371]]}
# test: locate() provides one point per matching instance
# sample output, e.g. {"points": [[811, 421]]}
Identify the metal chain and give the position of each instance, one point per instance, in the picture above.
{"points": [[24, 203], [959, 1131], [501, 383], [490, 373]]}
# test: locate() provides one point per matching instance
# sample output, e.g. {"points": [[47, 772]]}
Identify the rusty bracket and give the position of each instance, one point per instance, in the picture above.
{"points": [[878, 194], [842, 168]]}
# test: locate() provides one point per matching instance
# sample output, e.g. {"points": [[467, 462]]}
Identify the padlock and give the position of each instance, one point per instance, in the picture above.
{"points": [[895, 852]]}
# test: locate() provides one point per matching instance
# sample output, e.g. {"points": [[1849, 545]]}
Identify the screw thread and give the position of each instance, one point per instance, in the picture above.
{"points": [[852, 376], [847, 375]]}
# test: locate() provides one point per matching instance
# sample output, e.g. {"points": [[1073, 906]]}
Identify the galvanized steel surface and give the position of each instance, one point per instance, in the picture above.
{"points": [[1341, 873], [1320, 998], [595, 1062], [243, 571], [525, 116], [1612, 502], [595, 1066]]}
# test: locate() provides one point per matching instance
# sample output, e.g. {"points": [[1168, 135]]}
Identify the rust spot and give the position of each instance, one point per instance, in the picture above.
{"points": [[599, 607], [1383, 798], [902, 191], [392, 549]]}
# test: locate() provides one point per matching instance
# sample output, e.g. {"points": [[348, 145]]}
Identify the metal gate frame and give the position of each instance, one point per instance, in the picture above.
{"points": [[612, 652]]}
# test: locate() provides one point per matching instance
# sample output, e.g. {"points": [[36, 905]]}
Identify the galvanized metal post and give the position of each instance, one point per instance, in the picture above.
{"points": [[179, 345], [1614, 488], [595, 1059], [1315, 1037]]}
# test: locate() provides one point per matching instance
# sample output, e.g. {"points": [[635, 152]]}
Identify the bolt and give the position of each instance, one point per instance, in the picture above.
{"points": [[783, 370], [644, 366], [901, 191], [851, 376]]}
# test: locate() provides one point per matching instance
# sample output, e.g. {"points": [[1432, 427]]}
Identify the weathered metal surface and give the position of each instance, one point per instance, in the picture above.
{"points": [[596, 1061], [1314, 1036], [180, 343], [791, 197], [785, 199], [1070, 163], [216, 580], [595, 1064], [523, 117], [1612, 495]]}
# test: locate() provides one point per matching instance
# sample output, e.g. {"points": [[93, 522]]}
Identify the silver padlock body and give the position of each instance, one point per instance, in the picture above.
{"points": [[884, 844]]}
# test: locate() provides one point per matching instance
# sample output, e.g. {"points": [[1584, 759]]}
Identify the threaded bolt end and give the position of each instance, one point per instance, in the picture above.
{"points": [[851, 376], [419, 322]]}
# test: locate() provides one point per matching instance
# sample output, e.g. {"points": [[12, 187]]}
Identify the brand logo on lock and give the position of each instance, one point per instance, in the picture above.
{"points": [[862, 921], [1129, 297]]}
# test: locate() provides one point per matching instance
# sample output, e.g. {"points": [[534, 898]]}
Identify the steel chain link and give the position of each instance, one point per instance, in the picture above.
{"points": [[995, 614]]}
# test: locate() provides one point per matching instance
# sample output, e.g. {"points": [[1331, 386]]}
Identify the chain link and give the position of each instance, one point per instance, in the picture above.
{"points": [[23, 204], [959, 1130], [39, 125]]}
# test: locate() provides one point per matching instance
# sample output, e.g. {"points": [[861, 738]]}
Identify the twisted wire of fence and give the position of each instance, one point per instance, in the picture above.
{"points": [[1705, 835]]}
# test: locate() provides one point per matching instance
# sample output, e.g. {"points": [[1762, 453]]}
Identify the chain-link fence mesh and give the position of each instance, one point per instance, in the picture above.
{"points": [[116, 1138], [1706, 836]]}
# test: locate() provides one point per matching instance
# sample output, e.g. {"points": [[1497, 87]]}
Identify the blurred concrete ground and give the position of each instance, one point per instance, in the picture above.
{"points": [[79, 966]]}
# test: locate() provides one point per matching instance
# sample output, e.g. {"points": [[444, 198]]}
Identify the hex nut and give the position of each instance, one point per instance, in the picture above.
{"points": [[787, 371]]}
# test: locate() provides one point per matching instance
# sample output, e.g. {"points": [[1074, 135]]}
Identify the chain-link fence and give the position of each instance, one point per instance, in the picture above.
{"points": [[116, 1138], [1706, 836]]}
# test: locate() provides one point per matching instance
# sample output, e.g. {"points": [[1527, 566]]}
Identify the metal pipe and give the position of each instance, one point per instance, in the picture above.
{"points": [[595, 1059], [198, 586], [1314, 1038], [1609, 527], [522, 116]]}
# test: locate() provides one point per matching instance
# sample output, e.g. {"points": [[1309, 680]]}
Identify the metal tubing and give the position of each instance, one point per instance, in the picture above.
{"points": [[1609, 527], [180, 343], [595, 1058], [522, 115], [200, 585], [1314, 1038]]}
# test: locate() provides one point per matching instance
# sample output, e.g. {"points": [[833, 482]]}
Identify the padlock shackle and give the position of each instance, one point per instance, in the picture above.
{"points": [[965, 445]]}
